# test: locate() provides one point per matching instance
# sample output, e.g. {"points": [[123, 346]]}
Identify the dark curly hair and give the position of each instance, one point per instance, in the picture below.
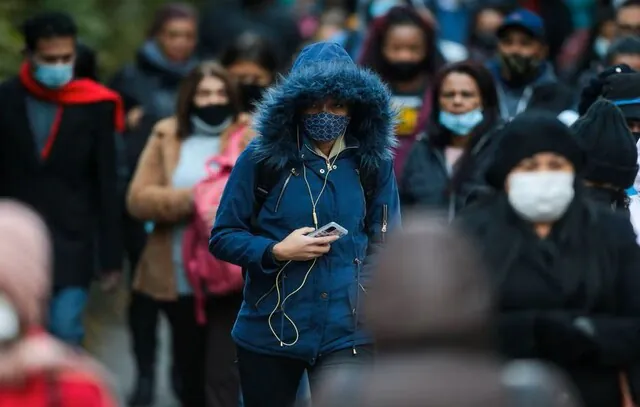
{"points": [[51, 24]]}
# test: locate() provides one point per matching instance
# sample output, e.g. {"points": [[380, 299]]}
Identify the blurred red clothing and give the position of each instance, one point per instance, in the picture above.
{"points": [[63, 389]]}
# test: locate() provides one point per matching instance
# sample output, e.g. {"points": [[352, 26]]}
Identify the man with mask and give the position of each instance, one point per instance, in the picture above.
{"points": [[524, 78], [57, 154]]}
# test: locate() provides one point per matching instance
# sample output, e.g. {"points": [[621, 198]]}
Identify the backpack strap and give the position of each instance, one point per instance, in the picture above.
{"points": [[264, 181]]}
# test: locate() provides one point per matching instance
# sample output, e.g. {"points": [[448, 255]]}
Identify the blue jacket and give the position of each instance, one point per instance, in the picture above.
{"points": [[326, 309]]}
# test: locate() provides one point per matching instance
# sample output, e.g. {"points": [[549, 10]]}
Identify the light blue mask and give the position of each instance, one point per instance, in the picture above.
{"points": [[53, 76], [461, 124]]}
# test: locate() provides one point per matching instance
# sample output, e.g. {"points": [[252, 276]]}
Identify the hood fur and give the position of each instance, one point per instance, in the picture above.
{"points": [[325, 70]]}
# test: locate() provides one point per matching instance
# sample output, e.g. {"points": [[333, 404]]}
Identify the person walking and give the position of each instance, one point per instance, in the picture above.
{"points": [[173, 162], [58, 154], [322, 155], [564, 268]]}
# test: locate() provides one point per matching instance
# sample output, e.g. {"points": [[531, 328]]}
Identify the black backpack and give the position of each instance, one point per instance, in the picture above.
{"points": [[266, 179]]}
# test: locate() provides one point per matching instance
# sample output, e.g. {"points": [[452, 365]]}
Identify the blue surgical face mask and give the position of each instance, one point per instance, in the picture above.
{"points": [[53, 76], [461, 124], [325, 126], [601, 46]]}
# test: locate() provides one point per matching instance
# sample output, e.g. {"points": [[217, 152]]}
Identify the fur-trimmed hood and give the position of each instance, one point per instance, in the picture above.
{"points": [[325, 70]]}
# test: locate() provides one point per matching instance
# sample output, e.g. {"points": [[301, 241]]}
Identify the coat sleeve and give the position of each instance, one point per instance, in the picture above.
{"points": [[231, 237], [109, 200], [383, 213], [150, 197], [407, 197]]}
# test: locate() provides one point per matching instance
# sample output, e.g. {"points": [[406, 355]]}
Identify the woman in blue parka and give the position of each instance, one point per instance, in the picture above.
{"points": [[325, 138]]}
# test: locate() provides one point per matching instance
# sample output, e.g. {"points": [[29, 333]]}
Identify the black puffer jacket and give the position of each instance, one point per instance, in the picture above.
{"points": [[571, 298], [426, 182]]}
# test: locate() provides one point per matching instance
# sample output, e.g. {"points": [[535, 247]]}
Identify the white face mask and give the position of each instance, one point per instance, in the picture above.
{"points": [[541, 196], [9, 320]]}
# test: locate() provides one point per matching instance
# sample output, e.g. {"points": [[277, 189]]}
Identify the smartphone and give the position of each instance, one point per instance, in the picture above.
{"points": [[330, 229]]}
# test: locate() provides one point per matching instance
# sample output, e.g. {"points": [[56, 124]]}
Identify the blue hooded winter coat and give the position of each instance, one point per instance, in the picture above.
{"points": [[325, 310]]}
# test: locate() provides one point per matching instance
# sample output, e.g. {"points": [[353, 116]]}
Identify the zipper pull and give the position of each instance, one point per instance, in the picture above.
{"points": [[384, 222], [328, 166]]}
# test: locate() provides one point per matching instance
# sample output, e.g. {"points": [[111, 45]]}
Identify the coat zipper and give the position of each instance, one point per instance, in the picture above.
{"points": [[385, 214], [286, 182]]}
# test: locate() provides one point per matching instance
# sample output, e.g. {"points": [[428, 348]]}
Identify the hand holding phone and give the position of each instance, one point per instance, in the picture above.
{"points": [[298, 246]]}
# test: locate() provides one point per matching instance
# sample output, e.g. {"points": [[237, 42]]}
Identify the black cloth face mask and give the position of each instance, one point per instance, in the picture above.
{"points": [[251, 95], [520, 69], [213, 115], [403, 71]]}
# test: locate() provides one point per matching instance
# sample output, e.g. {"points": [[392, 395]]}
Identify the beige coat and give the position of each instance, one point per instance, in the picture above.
{"points": [[152, 198]]}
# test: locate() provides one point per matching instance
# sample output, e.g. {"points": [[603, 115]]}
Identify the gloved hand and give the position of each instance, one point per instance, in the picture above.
{"points": [[593, 91], [562, 337]]}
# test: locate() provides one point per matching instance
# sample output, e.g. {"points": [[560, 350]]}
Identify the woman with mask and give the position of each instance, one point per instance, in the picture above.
{"points": [[446, 165], [325, 140], [565, 270], [611, 154], [401, 48], [252, 62], [149, 88], [173, 162]]}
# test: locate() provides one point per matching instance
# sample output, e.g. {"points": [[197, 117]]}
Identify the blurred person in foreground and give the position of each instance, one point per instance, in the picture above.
{"points": [[446, 166], [401, 48], [564, 269], [440, 352], [174, 160], [149, 88], [611, 154], [524, 76], [35, 369], [58, 154]]}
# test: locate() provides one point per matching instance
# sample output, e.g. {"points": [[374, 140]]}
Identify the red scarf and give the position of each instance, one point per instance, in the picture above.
{"points": [[76, 92]]}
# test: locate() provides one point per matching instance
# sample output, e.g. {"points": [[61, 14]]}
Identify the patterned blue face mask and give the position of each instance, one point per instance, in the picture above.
{"points": [[325, 126], [461, 124]]}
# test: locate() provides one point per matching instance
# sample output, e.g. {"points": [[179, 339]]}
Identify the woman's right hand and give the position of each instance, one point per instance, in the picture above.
{"points": [[299, 247]]}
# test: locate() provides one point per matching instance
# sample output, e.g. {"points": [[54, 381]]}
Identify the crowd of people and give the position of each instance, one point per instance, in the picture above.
{"points": [[350, 203]]}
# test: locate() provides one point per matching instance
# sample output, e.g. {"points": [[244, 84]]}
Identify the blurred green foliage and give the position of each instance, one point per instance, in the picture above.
{"points": [[115, 28]]}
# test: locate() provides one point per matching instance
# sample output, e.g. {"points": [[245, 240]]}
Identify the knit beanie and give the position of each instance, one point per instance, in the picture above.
{"points": [[609, 145], [623, 90], [530, 133], [594, 89]]}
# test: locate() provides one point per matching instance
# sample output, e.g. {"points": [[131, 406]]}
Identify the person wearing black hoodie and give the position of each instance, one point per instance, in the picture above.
{"points": [[611, 152], [149, 89], [564, 269]]}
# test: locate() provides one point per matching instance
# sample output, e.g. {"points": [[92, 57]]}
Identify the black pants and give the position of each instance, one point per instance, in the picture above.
{"points": [[143, 310], [223, 379], [273, 380]]}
